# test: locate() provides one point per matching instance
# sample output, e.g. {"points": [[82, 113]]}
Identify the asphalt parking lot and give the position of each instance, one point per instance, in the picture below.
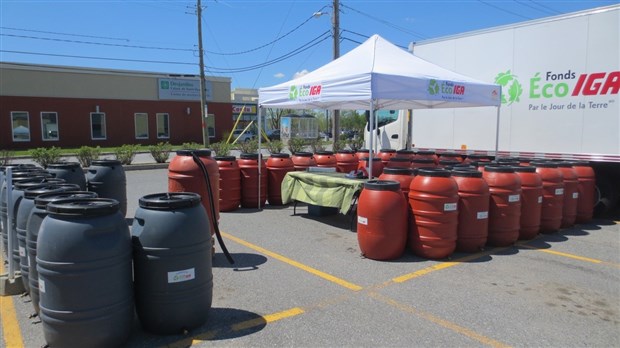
{"points": [[299, 280]]}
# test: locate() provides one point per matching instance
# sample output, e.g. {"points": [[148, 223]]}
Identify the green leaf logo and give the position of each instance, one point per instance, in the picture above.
{"points": [[293, 93], [433, 87], [165, 84], [509, 83]]}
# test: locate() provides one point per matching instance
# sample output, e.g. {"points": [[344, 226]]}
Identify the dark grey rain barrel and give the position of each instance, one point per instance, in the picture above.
{"points": [[107, 179], [172, 262], [85, 280], [21, 222], [72, 172], [35, 219]]}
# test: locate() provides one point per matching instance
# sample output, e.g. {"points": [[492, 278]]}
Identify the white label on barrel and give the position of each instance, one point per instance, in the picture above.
{"points": [[22, 251], [513, 198], [181, 276], [362, 220], [575, 195], [483, 215], [449, 207], [41, 285], [559, 192], [539, 199]]}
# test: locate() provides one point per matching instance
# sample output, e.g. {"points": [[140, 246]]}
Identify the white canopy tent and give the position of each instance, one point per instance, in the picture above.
{"points": [[379, 75]]}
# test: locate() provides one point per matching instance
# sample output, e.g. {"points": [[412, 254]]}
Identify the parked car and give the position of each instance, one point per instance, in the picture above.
{"points": [[273, 134], [246, 136]]}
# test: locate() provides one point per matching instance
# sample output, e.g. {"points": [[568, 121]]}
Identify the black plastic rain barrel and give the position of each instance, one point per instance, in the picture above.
{"points": [[107, 179], [85, 274], [172, 262], [72, 172]]}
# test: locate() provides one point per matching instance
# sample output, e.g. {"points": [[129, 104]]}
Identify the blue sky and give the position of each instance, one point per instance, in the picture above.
{"points": [[256, 43]]}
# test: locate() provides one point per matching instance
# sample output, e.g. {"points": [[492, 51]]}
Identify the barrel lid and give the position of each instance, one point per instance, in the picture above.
{"points": [[63, 165], [280, 155], [506, 159], [423, 160], [253, 156], [83, 207], [436, 172], [363, 150], [525, 169], [225, 158], [388, 150], [449, 154], [426, 152], [382, 185], [464, 166], [581, 164], [368, 159], [544, 164], [31, 193], [36, 182], [405, 152], [499, 169], [42, 200], [400, 159], [199, 153], [303, 154], [349, 152], [465, 172], [105, 162], [565, 164], [398, 171], [448, 161], [478, 156], [169, 200], [324, 153]]}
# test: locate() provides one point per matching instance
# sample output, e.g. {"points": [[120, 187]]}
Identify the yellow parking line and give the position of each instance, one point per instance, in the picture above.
{"points": [[559, 253], [439, 321], [10, 325], [443, 265], [294, 263]]}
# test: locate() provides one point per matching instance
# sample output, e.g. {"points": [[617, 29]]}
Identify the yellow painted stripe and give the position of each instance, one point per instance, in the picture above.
{"points": [[443, 265], [559, 253], [266, 319], [294, 263], [10, 326], [439, 321]]}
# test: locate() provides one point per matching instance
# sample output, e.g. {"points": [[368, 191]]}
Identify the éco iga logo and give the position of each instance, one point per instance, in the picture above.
{"points": [[446, 88], [304, 92], [558, 85]]}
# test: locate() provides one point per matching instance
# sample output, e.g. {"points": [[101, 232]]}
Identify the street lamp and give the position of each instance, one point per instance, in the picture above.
{"points": [[336, 54]]}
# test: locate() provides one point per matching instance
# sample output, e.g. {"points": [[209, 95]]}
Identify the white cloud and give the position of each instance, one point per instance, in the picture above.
{"points": [[279, 75], [300, 73]]}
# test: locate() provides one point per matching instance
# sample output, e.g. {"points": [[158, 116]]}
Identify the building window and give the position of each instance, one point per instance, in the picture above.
{"points": [[49, 126], [141, 121], [20, 123], [97, 125], [163, 126], [211, 125]]}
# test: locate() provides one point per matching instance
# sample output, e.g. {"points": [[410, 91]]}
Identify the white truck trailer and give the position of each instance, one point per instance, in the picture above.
{"points": [[560, 78]]}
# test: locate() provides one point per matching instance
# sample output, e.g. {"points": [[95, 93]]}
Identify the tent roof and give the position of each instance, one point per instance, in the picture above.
{"points": [[381, 72]]}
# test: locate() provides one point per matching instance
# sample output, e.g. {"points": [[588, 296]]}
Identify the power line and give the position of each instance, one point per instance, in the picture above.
{"points": [[504, 10], [96, 58], [389, 24], [547, 7], [66, 34], [545, 11], [98, 43]]}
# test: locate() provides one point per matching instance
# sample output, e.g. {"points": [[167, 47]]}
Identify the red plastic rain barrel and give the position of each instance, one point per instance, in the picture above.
{"points": [[346, 161], [248, 163], [404, 176], [531, 201], [398, 162], [450, 156], [404, 153], [428, 154], [362, 153], [382, 220], [504, 205], [433, 197], [571, 193], [185, 175], [230, 182], [377, 166], [278, 164], [474, 157], [386, 154], [325, 159], [448, 163], [303, 160], [553, 196], [587, 185], [473, 226], [423, 163]]}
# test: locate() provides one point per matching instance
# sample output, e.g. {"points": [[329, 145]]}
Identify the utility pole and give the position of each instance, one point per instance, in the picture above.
{"points": [[336, 51], [203, 94]]}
